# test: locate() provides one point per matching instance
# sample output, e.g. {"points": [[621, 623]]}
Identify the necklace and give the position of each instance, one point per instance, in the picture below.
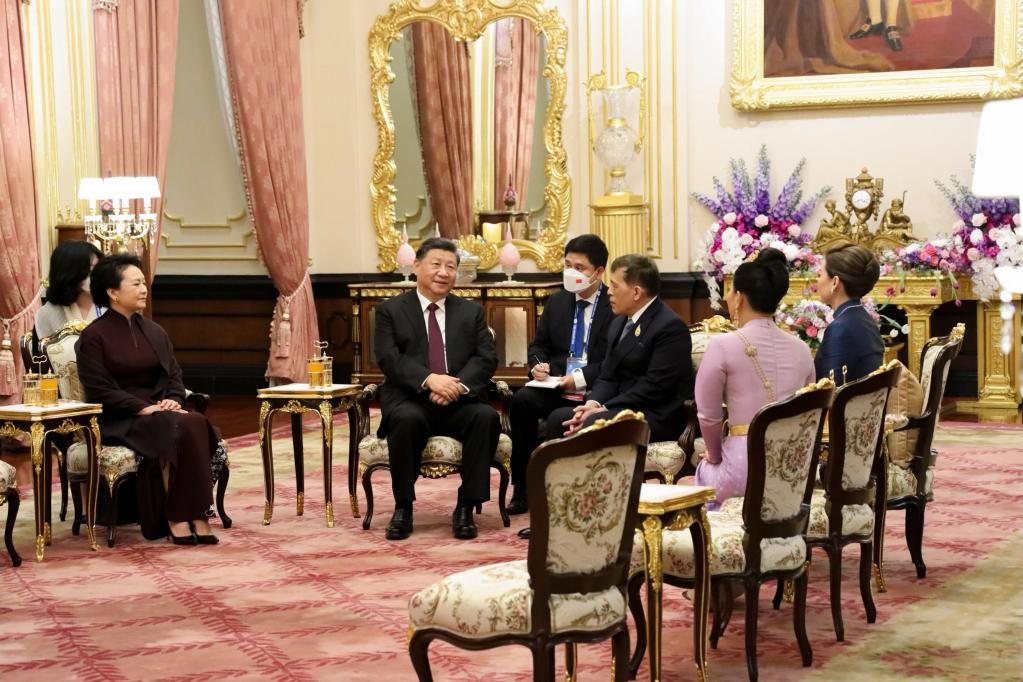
{"points": [[751, 351]]}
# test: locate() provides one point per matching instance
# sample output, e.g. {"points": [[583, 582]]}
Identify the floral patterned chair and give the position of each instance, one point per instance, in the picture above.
{"points": [[9, 495], [913, 487], [442, 455], [757, 538], [117, 464], [669, 460], [843, 511], [572, 585]]}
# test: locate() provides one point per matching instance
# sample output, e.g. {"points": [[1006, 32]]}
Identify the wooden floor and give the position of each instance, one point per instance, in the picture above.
{"points": [[239, 415]]}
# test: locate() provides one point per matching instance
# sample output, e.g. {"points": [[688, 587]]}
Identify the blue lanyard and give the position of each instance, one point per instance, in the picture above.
{"points": [[589, 328]]}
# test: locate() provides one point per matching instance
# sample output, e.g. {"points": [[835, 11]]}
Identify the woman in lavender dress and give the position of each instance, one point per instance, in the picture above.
{"points": [[746, 369]]}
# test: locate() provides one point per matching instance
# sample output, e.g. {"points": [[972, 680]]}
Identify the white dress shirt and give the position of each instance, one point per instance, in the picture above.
{"points": [[639, 313], [424, 303]]}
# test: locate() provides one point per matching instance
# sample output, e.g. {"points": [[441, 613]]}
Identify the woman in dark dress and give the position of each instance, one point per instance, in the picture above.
{"points": [[126, 363], [852, 346]]}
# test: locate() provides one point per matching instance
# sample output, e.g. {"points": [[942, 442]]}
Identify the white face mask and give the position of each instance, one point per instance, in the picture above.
{"points": [[575, 281], [84, 286]]}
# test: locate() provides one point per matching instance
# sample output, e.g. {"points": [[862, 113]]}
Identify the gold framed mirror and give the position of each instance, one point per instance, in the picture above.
{"points": [[474, 29]]}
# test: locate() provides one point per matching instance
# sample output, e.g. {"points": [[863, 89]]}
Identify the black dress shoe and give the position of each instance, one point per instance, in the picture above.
{"points": [[865, 30], [400, 526], [183, 539], [525, 533], [519, 504], [893, 38], [207, 539], [462, 525]]}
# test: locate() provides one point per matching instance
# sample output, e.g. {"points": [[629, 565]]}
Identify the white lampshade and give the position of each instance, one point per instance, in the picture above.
{"points": [[91, 189], [999, 166]]}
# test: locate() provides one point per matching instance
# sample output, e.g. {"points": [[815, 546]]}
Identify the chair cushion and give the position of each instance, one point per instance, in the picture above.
{"points": [[496, 599], [907, 399], [114, 460], [726, 553], [903, 482], [788, 449], [7, 477], [666, 457], [857, 519], [438, 450], [61, 354]]}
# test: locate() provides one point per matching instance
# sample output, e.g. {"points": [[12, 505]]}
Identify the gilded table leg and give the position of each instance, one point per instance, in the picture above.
{"points": [[39, 487], [266, 416], [652, 527], [700, 530], [93, 444], [299, 456], [919, 319], [48, 501], [353, 458], [326, 416]]}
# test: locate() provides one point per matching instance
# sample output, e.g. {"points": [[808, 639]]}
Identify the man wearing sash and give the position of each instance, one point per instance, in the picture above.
{"points": [[568, 348]]}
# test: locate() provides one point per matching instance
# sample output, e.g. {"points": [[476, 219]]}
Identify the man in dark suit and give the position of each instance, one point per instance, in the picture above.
{"points": [[571, 330], [438, 357], [648, 366]]}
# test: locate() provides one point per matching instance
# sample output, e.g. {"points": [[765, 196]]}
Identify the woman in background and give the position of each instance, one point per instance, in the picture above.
{"points": [[852, 346], [126, 363], [67, 296], [745, 370]]}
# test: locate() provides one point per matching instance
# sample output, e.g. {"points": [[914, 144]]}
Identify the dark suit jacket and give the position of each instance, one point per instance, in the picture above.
{"points": [[403, 349], [651, 372], [852, 340], [554, 334]]}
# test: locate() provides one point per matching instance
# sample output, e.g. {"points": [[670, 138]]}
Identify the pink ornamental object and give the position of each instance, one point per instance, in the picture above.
{"points": [[511, 197], [510, 255], [406, 254]]}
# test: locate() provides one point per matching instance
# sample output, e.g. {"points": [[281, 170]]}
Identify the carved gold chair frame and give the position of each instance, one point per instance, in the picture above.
{"points": [[466, 20]]}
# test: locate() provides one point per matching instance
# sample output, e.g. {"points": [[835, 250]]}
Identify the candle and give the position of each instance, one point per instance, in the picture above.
{"points": [[492, 232]]}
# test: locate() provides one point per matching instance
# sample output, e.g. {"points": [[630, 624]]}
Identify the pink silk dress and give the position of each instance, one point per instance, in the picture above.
{"points": [[728, 376]]}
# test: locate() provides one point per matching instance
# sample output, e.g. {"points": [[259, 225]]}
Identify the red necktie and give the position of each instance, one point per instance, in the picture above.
{"points": [[438, 365]]}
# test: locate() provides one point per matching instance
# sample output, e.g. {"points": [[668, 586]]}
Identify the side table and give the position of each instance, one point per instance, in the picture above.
{"points": [[676, 507], [37, 423], [325, 401]]}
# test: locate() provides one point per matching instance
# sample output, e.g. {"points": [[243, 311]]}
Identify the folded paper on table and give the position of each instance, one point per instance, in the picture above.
{"points": [[549, 382]]}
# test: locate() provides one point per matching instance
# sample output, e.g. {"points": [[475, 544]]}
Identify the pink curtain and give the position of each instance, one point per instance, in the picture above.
{"points": [[261, 41], [444, 107], [136, 49], [19, 253], [515, 78]]}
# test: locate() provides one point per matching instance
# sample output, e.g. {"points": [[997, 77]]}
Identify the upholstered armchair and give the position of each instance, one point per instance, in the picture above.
{"points": [[842, 512], [911, 487], [9, 496], [761, 536], [572, 585], [117, 464], [442, 455], [670, 460]]}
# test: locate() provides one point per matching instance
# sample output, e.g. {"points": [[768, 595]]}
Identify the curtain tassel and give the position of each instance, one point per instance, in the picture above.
{"points": [[284, 335], [8, 372]]}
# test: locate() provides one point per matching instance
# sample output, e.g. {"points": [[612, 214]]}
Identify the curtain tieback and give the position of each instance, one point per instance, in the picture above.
{"points": [[280, 330], [8, 370]]}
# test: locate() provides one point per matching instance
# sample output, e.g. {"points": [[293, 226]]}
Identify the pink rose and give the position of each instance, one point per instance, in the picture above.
{"points": [[1016, 219], [761, 221], [972, 254], [794, 231], [729, 218], [978, 219], [811, 331]]}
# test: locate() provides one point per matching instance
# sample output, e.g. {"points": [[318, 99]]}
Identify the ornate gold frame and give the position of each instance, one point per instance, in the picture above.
{"points": [[751, 91], [466, 20]]}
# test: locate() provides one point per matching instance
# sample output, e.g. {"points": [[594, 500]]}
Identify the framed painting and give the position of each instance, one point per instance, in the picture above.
{"points": [[791, 54]]}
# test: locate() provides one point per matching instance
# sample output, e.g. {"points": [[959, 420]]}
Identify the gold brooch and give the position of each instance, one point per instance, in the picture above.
{"points": [[637, 331]]}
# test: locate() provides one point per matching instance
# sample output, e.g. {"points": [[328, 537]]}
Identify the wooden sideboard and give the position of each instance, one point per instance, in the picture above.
{"points": [[511, 309]]}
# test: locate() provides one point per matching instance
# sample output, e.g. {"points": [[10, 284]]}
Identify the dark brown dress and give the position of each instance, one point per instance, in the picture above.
{"points": [[127, 364]]}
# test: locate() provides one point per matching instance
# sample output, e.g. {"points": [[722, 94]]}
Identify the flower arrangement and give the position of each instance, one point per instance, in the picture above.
{"points": [[987, 234], [807, 319], [889, 328], [747, 222], [938, 258]]}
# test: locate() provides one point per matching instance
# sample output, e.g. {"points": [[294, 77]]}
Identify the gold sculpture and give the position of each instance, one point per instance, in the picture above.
{"points": [[466, 20], [896, 224], [863, 196], [837, 228]]}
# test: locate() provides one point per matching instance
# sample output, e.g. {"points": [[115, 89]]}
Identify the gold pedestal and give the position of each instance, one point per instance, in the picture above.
{"points": [[621, 221], [997, 374]]}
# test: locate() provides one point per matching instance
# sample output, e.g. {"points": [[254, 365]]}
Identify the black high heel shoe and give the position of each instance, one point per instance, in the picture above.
{"points": [[210, 539], [189, 539]]}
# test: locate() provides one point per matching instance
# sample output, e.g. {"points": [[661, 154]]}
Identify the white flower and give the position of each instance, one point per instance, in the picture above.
{"points": [[976, 236], [912, 248], [958, 241], [893, 333], [719, 255], [746, 239], [715, 227], [729, 218], [972, 254], [761, 220], [905, 329], [978, 219], [729, 235], [794, 231], [1016, 219], [959, 224], [790, 251]]}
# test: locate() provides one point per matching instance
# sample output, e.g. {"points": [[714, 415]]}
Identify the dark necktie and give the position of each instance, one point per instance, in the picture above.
{"points": [[579, 345], [629, 326], [437, 363]]}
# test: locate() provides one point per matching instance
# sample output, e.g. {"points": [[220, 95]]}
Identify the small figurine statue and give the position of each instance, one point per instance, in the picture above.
{"points": [[895, 224], [836, 228]]}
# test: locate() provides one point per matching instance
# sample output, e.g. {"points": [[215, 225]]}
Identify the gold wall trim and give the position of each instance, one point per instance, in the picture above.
{"points": [[751, 91], [466, 20], [210, 245], [180, 220]]}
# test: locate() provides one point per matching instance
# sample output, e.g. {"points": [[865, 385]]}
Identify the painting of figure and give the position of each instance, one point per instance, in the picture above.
{"points": [[822, 37]]}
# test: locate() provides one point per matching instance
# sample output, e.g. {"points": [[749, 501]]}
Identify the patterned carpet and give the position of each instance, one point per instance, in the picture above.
{"points": [[297, 601]]}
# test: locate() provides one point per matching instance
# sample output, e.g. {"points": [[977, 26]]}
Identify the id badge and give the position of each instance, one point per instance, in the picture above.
{"points": [[574, 364]]}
